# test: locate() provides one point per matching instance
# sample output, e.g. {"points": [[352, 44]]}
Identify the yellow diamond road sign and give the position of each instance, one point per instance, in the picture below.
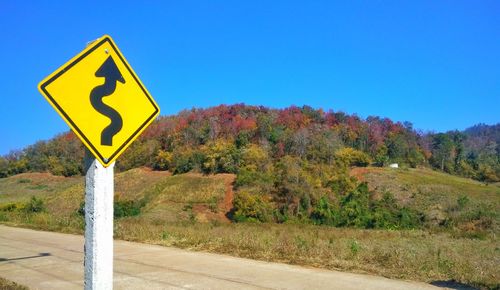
{"points": [[101, 98]]}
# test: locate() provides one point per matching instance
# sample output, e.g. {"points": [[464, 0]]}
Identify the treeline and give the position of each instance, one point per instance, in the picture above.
{"points": [[213, 140]]}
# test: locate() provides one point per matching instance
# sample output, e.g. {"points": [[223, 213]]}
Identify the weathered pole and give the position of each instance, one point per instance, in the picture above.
{"points": [[99, 190]]}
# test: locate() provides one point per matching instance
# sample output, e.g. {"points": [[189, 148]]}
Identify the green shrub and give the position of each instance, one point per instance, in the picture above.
{"points": [[343, 184], [251, 207], [383, 218], [387, 214], [260, 179], [245, 177], [11, 206], [358, 209], [35, 205], [325, 213], [125, 208], [354, 247], [185, 160], [121, 208], [183, 164], [408, 218], [81, 209], [462, 201], [281, 215], [355, 208]]}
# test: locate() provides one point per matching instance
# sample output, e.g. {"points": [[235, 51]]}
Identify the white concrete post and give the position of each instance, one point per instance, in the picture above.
{"points": [[99, 191]]}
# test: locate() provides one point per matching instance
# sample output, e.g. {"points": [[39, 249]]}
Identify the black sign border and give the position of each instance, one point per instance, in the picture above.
{"points": [[62, 70]]}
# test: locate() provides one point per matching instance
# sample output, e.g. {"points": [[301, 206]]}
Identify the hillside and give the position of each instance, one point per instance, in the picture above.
{"points": [[186, 141], [189, 211], [290, 164]]}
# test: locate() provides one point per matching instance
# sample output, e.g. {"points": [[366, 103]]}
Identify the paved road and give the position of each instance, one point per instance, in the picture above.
{"points": [[45, 260]]}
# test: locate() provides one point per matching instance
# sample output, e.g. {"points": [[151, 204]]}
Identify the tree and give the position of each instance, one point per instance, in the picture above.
{"points": [[352, 157], [296, 188], [442, 152], [397, 147], [221, 157], [459, 150], [140, 153], [300, 142], [381, 156]]}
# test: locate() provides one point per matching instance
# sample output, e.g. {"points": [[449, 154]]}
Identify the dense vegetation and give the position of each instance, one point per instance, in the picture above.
{"points": [[457, 242], [292, 163]]}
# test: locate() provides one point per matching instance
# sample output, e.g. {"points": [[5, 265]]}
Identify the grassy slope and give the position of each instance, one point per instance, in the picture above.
{"points": [[23, 186], [421, 188], [188, 211], [184, 198], [434, 193]]}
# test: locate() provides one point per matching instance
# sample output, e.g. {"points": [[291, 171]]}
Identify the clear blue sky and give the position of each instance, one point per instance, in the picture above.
{"points": [[433, 63]]}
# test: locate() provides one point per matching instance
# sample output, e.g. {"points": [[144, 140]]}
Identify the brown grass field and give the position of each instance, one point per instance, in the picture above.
{"points": [[188, 211]]}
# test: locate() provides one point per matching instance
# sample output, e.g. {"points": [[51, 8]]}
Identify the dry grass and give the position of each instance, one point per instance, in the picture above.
{"points": [[413, 255], [9, 285], [172, 217]]}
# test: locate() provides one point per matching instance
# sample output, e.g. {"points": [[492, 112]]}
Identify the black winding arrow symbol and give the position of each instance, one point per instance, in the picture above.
{"points": [[111, 74]]}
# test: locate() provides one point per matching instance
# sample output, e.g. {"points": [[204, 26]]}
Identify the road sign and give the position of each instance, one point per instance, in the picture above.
{"points": [[101, 98]]}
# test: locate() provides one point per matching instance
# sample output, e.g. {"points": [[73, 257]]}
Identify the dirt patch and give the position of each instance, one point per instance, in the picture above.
{"points": [[227, 203], [207, 213], [359, 173]]}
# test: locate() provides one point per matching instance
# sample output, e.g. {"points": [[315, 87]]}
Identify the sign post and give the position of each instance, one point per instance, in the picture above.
{"points": [[99, 189], [106, 105]]}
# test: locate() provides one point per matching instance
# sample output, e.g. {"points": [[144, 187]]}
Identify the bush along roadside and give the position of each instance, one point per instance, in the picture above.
{"points": [[121, 208]]}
